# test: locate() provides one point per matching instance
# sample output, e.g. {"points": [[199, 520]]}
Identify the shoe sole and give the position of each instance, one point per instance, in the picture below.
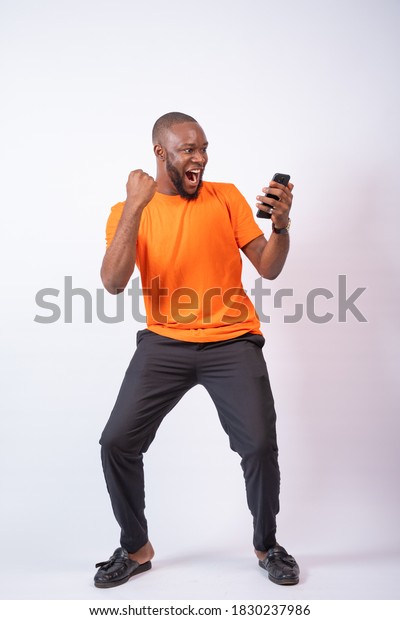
{"points": [[142, 568], [287, 581]]}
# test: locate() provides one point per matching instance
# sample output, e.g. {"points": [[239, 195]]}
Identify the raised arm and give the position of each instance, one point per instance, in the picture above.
{"points": [[119, 259], [269, 257]]}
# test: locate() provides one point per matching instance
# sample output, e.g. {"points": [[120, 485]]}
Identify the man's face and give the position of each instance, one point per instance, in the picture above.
{"points": [[186, 157]]}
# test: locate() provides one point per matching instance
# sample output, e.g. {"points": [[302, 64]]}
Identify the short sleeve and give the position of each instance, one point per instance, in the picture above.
{"points": [[112, 222], [244, 225]]}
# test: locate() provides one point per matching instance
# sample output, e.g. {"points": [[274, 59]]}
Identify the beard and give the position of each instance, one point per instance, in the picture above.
{"points": [[176, 179]]}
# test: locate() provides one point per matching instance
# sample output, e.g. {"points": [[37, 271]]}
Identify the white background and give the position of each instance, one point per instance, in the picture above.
{"points": [[306, 87]]}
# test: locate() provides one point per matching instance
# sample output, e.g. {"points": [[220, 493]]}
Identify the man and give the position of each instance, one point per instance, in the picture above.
{"points": [[184, 235]]}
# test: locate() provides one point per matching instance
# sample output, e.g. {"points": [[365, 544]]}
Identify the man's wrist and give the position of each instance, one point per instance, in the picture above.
{"points": [[133, 205], [282, 231]]}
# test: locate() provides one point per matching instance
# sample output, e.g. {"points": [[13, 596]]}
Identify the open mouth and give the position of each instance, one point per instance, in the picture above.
{"points": [[193, 176]]}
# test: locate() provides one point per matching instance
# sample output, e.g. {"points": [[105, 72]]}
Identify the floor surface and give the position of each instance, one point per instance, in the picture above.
{"points": [[205, 574]]}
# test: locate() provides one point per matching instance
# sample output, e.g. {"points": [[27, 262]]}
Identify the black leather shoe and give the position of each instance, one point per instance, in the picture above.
{"points": [[118, 569], [281, 567]]}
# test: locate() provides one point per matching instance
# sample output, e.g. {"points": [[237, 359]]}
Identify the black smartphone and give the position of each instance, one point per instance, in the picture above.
{"points": [[279, 178]]}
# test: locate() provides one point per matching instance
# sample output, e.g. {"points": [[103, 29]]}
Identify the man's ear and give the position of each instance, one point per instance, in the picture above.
{"points": [[159, 151]]}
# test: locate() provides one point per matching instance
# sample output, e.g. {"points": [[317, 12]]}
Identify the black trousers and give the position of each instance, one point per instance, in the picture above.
{"points": [[161, 371]]}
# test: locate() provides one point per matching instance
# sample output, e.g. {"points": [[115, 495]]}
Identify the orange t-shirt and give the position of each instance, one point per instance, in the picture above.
{"points": [[190, 265]]}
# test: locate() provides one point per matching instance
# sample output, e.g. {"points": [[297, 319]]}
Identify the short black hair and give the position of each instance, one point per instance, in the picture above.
{"points": [[166, 121]]}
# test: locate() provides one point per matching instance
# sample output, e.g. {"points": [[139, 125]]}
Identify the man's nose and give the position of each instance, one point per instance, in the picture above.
{"points": [[199, 157]]}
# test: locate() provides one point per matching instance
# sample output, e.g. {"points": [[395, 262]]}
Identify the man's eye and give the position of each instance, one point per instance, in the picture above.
{"points": [[188, 150]]}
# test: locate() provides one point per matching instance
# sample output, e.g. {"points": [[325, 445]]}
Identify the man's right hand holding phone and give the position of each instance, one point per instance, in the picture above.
{"points": [[276, 204]]}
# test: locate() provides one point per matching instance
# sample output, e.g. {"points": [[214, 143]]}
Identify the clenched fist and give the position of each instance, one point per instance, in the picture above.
{"points": [[140, 188]]}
